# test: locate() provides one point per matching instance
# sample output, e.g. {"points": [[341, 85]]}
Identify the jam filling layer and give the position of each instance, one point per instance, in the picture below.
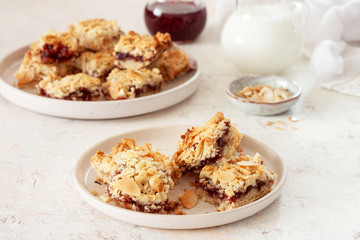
{"points": [[167, 206], [216, 193], [220, 145], [83, 94], [55, 53], [128, 56]]}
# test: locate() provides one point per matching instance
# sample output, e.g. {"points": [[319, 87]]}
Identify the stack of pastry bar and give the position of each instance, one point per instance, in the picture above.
{"points": [[96, 56]]}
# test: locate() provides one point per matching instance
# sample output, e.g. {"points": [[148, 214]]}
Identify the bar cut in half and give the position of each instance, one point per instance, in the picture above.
{"points": [[124, 84], [200, 146], [135, 52], [139, 178], [240, 181], [72, 87]]}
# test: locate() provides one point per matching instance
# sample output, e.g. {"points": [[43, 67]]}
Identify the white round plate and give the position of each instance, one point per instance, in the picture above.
{"points": [[174, 92], [203, 215]]}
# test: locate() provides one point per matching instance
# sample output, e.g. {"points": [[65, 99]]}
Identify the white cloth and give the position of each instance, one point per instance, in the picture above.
{"points": [[333, 26]]}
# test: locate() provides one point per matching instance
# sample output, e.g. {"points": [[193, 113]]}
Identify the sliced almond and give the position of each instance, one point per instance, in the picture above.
{"points": [[156, 183], [269, 123], [94, 192], [293, 119], [280, 122], [226, 176], [267, 93], [113, 92], [129, 186], [244, 171], [279, 128], [189, 199], [247, 163]]}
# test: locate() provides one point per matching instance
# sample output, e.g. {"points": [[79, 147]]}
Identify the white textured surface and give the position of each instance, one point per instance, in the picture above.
{"points": [[38, 199]]}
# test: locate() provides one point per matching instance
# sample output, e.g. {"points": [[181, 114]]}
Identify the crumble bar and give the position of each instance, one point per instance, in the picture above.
{"points": [[55, 47], [98, 34], [95, 64], [124, 84], [240, 181], [205, 145], [31, 71], [139, 178], [171, 63], [72, 87], [135, 52]]}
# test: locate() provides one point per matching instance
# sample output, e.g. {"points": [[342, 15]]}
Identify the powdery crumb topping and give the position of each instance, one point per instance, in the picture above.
{"points": [[236, 175], [123, 84], [200, 143], [98, 34], [96, 64], [171, 63], [61, 88]]}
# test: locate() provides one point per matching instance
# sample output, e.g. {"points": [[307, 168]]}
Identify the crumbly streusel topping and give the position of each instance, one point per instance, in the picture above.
{"points": [[98, 34], [96, 64], [60, 88], [145, 46], [236, 175], [137, 171], [171, 63], [55, 47], [124, 83], [31, 71], [200, 143], [104, 166]]}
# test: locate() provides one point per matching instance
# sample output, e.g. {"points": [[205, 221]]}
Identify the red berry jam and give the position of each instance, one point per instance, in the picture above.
{"points": [[183, 20]]}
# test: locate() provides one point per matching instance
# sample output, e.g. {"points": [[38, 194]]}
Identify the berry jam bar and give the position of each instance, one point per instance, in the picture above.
{"points": [[171, 64], [123, 84], [98, 34], [55, 47], [205, 145], [135, 52], [95, 64], [72, 87], [31, 71], [139, 178], [235, 183]]}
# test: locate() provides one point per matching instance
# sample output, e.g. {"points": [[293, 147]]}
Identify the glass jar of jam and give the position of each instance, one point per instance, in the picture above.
{"points": [[183, 19]]}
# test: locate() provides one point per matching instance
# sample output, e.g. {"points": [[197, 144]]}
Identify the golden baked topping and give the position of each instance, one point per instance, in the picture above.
{"points": [[98, 34]]}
